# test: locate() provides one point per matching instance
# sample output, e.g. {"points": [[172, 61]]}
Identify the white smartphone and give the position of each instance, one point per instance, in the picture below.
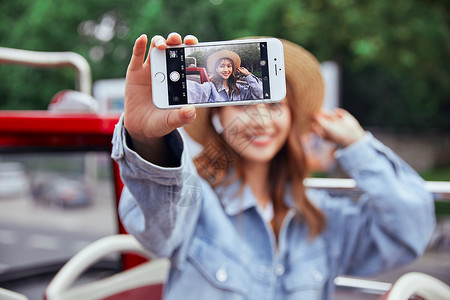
{"points": [[238, 72]]}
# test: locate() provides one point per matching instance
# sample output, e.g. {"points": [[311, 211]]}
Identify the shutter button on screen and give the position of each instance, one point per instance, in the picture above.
{"points": [[174, 76], [159, 77]]}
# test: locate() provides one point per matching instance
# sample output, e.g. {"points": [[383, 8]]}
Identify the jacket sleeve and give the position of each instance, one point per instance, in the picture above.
{"points": [[202, 93], [253, 90], [159, 206], [393, 219]]}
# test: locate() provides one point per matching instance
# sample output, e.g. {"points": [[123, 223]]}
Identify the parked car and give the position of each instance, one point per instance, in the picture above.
{"points": [[60, 191], [14, 181]]}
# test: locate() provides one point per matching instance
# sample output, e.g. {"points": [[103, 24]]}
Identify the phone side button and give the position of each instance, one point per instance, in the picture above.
{"points": [[160, 77]]}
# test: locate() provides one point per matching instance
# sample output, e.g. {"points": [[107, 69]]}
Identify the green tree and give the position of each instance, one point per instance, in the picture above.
{"points": [[394, 55]]}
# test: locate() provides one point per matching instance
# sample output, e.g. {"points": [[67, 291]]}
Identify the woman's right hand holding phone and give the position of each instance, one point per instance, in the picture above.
{"points": [[145, 123]]}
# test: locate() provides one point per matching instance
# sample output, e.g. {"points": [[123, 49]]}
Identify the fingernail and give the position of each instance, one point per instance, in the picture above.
{"points": [[190, 112], [159, 42], [191, 37]]}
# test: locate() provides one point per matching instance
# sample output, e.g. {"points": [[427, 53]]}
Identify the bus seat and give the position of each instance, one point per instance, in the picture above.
{"points": [[136, 283]]}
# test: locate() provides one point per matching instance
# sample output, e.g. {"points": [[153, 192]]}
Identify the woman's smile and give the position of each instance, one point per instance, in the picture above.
{"points": [[256, 132], [260, 140], [226, 74]]}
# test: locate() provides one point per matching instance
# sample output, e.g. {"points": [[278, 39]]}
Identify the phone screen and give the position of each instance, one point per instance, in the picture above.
{"points": [[201, 74]]}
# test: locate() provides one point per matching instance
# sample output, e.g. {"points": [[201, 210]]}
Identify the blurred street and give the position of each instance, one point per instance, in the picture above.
{"points": [[31, 235], [35, 237]]}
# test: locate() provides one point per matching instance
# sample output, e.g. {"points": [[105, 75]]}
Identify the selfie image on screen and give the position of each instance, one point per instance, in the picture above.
{"points": [[218, 73]]}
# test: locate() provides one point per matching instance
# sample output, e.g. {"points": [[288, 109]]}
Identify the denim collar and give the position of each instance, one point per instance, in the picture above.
{"points": [[236, 199], [221, 88]]}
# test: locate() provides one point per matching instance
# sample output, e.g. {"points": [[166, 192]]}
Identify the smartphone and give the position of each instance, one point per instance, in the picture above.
{"points": [[238, 72]]}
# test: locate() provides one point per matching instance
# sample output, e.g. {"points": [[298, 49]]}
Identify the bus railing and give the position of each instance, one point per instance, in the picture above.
{"points": [[439, 189], [51, 60]]}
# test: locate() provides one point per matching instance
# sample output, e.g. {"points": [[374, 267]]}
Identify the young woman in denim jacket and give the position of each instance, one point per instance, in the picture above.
{"points": [[224, 85], [241, 224]]}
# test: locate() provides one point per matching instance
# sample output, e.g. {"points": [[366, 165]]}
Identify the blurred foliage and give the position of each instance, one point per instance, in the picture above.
{"points": [[394, 55], [440, 173]]}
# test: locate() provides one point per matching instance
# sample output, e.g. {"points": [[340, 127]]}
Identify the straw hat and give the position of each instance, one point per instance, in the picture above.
{"points": [[304, 84], [212, 60]]}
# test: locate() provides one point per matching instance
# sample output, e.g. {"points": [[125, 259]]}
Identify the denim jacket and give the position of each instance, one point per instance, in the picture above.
{"points": [[220, 247], [207, 91]]}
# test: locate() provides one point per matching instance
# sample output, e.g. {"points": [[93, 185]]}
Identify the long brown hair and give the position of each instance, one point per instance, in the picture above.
{"points": [[232, 80], [289, 166]]}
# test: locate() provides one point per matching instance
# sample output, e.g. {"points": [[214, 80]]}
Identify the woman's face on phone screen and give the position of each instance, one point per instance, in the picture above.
{"points": [[256, 132], [225, 68]]}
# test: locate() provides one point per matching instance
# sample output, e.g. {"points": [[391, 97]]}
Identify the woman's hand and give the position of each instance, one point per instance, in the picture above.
{"points": [[338, 126], [143, 120], [243, 71]]}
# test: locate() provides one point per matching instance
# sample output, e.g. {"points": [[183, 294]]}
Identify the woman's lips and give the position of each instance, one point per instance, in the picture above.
{"points": [[260, 140]]}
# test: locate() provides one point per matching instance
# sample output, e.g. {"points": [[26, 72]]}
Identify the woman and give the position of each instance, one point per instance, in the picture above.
{"points": [[224, 85], [247, 228]]}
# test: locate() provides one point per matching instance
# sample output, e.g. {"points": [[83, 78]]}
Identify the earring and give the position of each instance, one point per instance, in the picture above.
{"points": [[216, 123]]}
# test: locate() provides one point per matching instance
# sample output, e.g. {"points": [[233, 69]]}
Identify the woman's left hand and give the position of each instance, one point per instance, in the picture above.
{"points": [[338, 126], [243, 71]]}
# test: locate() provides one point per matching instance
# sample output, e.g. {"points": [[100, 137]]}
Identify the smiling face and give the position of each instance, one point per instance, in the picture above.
{"points": [[256, 132], [224, 68]]}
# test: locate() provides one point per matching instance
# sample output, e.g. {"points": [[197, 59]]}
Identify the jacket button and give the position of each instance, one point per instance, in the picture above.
{"points": [[221, 275], [317, 275], [279, 270]]}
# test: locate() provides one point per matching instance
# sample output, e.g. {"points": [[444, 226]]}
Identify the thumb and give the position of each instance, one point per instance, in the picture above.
{"points": [[181, 117], [187, 114]]}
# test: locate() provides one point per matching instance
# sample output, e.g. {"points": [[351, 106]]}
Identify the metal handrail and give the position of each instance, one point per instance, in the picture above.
{"points": [[362, 285], [346, 186], [49, 60], [439, 189]]}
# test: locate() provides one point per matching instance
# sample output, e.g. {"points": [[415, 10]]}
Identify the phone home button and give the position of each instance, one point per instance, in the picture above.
{"points": [[160, 77]]}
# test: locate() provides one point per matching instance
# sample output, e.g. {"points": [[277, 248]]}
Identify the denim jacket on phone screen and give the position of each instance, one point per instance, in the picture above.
{"points": [[207, 91], [220, 247]]}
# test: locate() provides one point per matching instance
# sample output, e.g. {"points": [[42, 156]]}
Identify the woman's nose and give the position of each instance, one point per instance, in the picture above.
{"points": [[258, 114]]}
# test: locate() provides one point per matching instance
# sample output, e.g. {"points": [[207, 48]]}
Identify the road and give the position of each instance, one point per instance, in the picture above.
{"points": [[34, 235], [24, 247]]}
